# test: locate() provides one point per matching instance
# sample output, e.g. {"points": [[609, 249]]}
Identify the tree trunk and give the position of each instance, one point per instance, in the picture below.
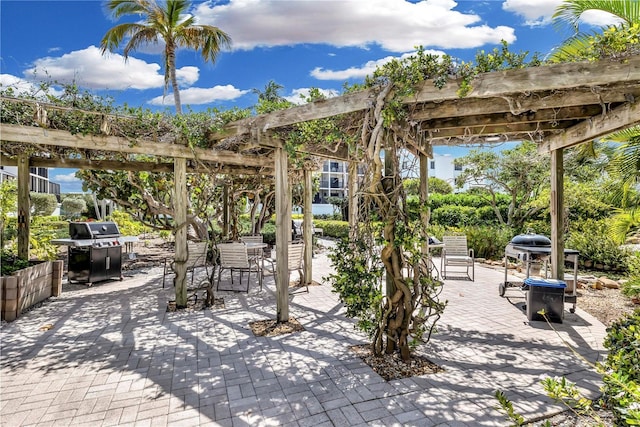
{"points": [[171, 62]]}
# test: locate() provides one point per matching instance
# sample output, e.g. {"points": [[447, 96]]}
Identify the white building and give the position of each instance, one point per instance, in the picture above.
{"points": [[334, 178], [39, 182]]}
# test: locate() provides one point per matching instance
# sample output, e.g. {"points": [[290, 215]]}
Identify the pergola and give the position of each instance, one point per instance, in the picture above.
{"points": [[557, 106]]}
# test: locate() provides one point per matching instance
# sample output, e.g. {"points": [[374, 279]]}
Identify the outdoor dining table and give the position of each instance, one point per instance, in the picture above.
{"points": [[255, 249]]}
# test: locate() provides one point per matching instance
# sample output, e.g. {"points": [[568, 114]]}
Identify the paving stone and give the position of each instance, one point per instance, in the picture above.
{"points": [[143, 366]]}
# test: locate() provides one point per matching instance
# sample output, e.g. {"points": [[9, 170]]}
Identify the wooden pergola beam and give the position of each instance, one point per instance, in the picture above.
{"points": [[619, 118], [524, 103], [500, 129], [134, 166], [40, 136], [489, 85], [546, 118]]}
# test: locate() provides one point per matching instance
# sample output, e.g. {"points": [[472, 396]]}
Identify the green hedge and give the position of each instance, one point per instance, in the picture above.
{"points": [[330, 228]]}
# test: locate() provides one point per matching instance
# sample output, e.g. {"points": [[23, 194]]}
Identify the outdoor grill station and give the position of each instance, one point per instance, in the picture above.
{"points": [[534, 250], [94, 251]]}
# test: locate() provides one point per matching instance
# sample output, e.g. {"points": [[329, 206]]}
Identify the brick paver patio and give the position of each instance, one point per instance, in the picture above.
{"points": [[112, 355]]}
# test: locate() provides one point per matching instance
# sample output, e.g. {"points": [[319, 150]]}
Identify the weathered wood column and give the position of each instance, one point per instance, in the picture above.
{"points": [[307, 229], [557, 215], [180, 218], [24, 206], [352, 188], [225, 212], [424, 198], [283, 234]]}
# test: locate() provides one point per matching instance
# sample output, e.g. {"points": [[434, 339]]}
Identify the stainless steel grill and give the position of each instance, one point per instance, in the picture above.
{"points": [[535, 250], [95, 251]]}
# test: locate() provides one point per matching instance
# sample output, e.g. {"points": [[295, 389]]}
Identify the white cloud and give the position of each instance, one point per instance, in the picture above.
{"points": [[21, 86], [65, 178], [395, 25], [198, 96], [89, 68], [539, 12], [359, 72], [298, 96]]}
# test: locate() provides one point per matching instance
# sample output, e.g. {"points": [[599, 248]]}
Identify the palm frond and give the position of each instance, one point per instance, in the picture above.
{"points": [[622, 223], [119, 8], [572, 49], [114, 37], [625, 135], [570, 11], [143, 36]]}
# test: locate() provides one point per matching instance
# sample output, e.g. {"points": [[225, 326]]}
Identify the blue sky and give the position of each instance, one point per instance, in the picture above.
{"points": [[299, 44]]}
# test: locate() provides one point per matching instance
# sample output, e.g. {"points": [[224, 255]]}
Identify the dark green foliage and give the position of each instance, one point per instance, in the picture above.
{"points": [[10, 263], [631, 287], [43, 204], [357, 281], [622, 384], [454, 216], [592, 239], [488, 241]]}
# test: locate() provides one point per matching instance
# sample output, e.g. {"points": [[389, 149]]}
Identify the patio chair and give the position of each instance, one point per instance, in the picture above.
{"points": [[197, 256], [455, 253], [296, 262], [234, 257]]}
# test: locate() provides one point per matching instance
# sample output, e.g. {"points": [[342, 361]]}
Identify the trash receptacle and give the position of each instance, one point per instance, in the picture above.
{"points": [[547, 294]]}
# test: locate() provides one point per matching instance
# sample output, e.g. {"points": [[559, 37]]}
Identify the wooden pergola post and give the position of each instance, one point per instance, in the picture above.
{"points": [[557, 217], [424, 197], [180, 218], [353, 199], [283, 234], [225, 212], [307, 227], [24, 206]]}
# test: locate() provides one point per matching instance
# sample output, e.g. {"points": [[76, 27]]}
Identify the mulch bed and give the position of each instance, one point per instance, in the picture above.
{"points": [[273, 328], [392, 367]]}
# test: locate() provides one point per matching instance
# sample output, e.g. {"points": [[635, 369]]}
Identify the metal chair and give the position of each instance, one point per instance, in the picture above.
{"points": [[295, 263], [234, 257], [197, 256], [455, 253]]}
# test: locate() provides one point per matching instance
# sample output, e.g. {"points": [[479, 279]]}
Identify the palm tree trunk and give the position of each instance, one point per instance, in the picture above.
{"points": [[171, 61]]}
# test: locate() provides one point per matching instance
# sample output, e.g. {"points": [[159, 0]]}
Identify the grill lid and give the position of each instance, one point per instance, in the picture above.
{"points": [[531, 239], [93, 230]]}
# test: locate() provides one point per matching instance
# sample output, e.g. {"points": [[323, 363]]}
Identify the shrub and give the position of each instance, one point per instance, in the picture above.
{"points": [[622, 376], [489, 241], [127, 225], [72, 207], [9, 262], [336, 229], [631, 287], [591, 239], [43, 204], [454, 216]]}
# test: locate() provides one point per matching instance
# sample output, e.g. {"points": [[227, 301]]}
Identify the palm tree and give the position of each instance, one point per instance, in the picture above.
{"points": [[568, 13], [625, 164], [170, 22]]}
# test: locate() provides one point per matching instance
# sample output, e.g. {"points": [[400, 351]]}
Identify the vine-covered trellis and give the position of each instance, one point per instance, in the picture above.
{"points": [[557, 106]]}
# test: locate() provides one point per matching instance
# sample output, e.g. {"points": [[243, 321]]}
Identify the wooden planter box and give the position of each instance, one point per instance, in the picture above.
{"points": [[29, 286]]}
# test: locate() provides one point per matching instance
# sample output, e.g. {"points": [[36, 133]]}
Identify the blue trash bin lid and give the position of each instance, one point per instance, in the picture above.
{"points": [[547, 283]]}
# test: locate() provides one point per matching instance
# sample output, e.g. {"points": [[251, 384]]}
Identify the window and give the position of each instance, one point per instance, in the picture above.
{"points": [[457, 167], [432, 164]]}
